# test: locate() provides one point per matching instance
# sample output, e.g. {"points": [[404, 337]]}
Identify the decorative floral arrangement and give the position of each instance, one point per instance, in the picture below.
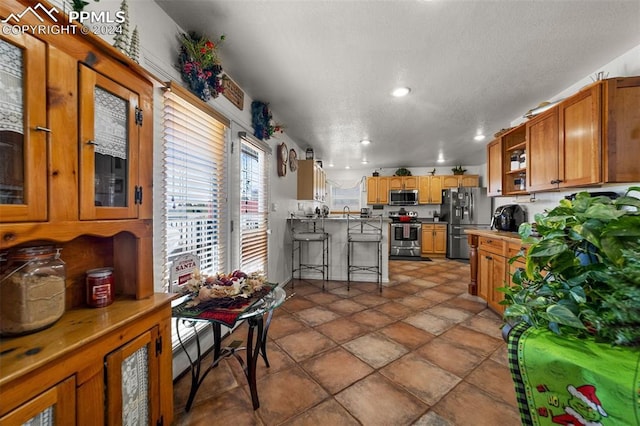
{"points": [[200, 65], [235, 284], [263, 125]]}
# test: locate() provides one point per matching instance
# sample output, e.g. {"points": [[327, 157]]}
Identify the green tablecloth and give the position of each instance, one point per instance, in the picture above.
{"points": [[573, 382]]}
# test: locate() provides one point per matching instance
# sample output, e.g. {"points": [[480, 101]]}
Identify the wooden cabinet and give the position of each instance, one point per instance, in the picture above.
{"points": [[430, 189], [491, 266], [85, 141], [514, 145], [312, 182], [588, 139], [434, 239], [83, 361], [377, 190], [491, 271], [109, 148], [494, 168], [542, 148], [57, 404], [132, 375], [403, 182], [457, 181], [23, 130]]}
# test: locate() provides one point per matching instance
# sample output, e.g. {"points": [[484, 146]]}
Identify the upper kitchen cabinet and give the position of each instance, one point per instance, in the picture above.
{"points": [[312, 182], [377, 190], [588, 139], [457, 181], [514, 166], [23, 129], [430, 190], [542, 146], [494, 168], [403, 182], [621, 129]]}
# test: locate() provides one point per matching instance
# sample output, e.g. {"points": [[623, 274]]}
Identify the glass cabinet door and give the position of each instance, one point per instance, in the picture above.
{"points": [[23, 129], [109, 148]]}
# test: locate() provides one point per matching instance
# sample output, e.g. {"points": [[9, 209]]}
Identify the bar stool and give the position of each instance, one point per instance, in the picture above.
{"points": [[305, 231], [366, 231]]}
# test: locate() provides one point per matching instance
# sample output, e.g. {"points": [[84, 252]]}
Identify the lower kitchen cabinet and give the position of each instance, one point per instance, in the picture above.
{"points": [[434, 239], [55, 406], [491, 267], [106, 366]]}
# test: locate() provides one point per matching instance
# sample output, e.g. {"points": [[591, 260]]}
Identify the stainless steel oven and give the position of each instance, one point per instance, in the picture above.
{"points": [[406, 239]]}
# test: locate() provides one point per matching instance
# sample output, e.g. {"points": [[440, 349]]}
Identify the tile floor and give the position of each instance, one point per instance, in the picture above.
{"points": [[423, 352]]}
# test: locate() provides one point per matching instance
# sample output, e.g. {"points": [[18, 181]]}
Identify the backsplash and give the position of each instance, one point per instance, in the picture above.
{"points": [[544, 201]]}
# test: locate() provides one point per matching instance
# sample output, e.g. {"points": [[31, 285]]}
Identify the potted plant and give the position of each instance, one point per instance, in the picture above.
{"points": [[402, 171], [458, 170], [575, 311]]}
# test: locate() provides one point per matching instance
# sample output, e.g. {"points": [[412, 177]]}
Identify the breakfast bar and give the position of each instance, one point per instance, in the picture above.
{"points": [[336, 228]]}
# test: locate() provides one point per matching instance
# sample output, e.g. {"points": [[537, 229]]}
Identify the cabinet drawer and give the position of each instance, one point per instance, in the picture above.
{"points": [[492, 245], [513, 249]]}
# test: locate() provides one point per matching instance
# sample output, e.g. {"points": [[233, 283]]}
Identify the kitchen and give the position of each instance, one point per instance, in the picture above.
{"points": [[158, 33]]}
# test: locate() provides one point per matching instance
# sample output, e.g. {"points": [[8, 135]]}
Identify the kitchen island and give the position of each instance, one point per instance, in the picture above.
{"points": [[489, 255], [363, 254]]}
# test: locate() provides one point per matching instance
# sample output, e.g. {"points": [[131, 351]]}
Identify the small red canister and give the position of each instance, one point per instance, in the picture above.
{"points": [[100, 287]]}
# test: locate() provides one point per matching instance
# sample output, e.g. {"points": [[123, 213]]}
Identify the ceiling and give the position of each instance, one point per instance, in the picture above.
{"points": [[327, 67]]}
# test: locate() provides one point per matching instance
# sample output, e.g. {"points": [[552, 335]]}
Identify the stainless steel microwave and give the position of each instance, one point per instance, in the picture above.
{"points": [[403, 197]]}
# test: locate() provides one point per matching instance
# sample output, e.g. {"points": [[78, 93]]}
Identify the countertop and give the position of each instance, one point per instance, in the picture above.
{"points": [[340, 217], [499, 235]]}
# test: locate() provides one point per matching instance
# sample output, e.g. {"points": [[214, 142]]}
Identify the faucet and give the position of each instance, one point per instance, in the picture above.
{"points": [[347, 210]]}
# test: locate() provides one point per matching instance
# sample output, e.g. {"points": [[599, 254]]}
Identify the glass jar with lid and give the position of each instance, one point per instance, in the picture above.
{"points": [[32, 290]]}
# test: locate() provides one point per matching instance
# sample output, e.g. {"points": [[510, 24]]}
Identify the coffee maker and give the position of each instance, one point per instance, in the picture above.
{"points": [[508, 218]]}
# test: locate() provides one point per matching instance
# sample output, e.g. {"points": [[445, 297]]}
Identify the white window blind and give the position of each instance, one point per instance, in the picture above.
{"points": [[195, 173], [254, 205]]}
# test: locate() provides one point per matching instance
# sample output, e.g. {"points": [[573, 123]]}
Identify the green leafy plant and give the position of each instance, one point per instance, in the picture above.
{"points": [[402, 171], [458, 170], [582, 274]]}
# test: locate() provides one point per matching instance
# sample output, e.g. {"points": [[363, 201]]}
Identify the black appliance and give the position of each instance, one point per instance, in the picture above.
{"points": [[406, 235], [508, 217], [403, 197]]}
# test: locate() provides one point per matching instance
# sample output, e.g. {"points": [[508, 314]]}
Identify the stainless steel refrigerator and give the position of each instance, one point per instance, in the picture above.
{"points": [[464, 208]]}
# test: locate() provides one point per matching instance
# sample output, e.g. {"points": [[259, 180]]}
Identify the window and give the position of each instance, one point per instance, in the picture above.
{"points": [[254, 205], [194, 165], [342, 196]]}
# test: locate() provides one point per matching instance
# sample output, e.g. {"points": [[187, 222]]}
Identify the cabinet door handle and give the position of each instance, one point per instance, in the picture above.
{"points": [[488, 257], [94, 143], [499, 190], [43, 129]]}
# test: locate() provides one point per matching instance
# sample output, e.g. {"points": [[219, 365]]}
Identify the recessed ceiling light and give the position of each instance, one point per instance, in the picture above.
{"points": [[365, 141], [479, 137], [330, 164], [347, 167], [365, 162], [440, 158], [400, 92]]}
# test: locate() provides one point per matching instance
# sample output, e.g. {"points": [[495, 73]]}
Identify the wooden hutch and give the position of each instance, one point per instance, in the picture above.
{"points": [[94, 201]]}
